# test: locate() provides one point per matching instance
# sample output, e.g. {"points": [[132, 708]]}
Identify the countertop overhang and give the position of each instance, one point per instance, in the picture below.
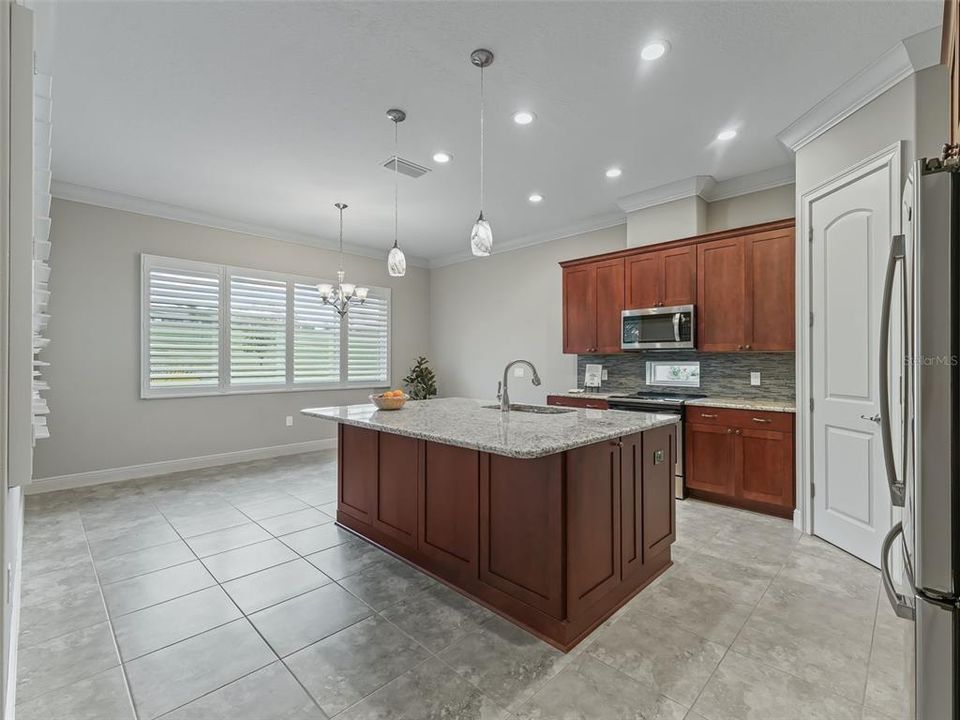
{"points": [[465, 422]]}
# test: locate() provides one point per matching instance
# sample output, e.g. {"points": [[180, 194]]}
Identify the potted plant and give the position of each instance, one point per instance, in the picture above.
{"points": [[421, 382]]}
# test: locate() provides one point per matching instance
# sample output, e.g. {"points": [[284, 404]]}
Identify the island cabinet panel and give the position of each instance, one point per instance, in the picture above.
{"points": [[357, 468], [397, 487], [658, 504], [631, 506], [721, 295], [521, 529], [593, 523], [449, 508]]}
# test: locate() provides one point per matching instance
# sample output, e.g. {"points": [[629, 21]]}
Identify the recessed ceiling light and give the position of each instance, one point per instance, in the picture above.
{"points": [[614, 172], [727, 135], [535, 198], [523, 117], [654, 50], [442, 157]]}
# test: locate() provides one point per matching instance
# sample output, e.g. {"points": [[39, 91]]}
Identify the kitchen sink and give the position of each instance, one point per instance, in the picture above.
{"points": [[538, 409]]}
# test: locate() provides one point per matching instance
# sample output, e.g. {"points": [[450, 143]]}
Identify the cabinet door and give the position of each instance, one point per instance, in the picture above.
{"points": [[521, 529], [609, 305], [449, 491], [643, 280], [659, 504], [580, 309], [679, 276], [710, 459], [357, 469], [631, 506], [766, 467], [397, 487], [593, 523], [770, 291], [721, 295]]}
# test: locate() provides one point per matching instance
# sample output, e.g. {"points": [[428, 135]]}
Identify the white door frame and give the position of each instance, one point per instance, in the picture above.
{"points": [[891, 157]]}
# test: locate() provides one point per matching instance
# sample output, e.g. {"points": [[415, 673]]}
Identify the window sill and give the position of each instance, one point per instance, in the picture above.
{"points": [[154, 394]]}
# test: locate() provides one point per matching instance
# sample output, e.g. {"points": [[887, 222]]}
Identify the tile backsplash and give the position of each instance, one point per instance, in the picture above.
{"points": [[721, 374]]}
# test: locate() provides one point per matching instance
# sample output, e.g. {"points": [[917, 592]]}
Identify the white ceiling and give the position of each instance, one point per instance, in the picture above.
{"points": [[269, 112]]}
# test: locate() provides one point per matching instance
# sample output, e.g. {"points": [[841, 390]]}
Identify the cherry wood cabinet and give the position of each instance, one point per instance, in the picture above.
{"points": [[741, 281], [741, 457], [584, 401], [555, 543], [664, 277], [745, 293], [592, 302]]}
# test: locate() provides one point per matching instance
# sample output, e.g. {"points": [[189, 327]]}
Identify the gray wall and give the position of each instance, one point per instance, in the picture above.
{"points": [[763, 206], [97, 418], [721, 374]]}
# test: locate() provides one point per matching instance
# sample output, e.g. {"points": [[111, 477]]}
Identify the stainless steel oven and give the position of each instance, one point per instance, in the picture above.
{"points": [[658, 328]]}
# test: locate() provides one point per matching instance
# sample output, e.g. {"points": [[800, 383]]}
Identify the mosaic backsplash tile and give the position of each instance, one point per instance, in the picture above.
{"points": [[721, 374]]}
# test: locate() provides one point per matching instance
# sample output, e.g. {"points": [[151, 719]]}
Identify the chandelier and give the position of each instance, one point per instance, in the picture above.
{"points": [[341, 296]]}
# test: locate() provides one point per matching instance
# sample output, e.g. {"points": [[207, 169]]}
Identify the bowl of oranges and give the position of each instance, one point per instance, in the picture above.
{"points": [[390, 400]]}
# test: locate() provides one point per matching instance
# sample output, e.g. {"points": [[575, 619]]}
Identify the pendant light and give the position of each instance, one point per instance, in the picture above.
{"points": [[481, 237], [396, 260], [343, 294]]}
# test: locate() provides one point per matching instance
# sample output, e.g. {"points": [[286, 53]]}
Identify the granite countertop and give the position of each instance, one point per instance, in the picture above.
{"points": [[788, 406], [466, 423]]}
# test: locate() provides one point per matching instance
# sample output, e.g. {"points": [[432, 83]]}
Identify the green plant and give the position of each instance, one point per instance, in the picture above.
{"points": [[421, 382]]}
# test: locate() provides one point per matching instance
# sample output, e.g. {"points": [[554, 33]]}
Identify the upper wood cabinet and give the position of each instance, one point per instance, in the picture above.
{"points": [[592, 302], [745, 293], [662, 278]]}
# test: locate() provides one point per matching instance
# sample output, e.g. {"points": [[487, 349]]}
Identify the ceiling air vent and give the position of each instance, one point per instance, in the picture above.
{"points": [[405, 167]]}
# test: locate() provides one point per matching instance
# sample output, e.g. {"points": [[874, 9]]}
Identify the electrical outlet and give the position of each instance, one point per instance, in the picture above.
{"points": [[518, 371], [289, 420], [603, 374], [754, 378]]}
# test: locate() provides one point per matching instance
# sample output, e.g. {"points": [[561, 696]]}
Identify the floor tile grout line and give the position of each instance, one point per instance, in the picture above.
{"points": [[873, 640], [113, 632], [244, 616]]}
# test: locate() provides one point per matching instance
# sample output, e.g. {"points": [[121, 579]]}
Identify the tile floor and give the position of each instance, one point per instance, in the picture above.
{"points": [[230, 593]]}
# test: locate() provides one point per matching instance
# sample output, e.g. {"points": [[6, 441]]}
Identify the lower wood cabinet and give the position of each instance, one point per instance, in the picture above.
{"points": [[556, 543], [585, 401], [741, 458]]}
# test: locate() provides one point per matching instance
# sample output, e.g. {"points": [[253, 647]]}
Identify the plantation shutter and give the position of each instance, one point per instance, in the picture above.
{"points": [[184, 328], [368, 339], [316, 338], [258, 331]]}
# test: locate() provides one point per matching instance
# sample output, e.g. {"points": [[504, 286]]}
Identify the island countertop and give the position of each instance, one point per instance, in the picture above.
{"points": [[464, 422]]}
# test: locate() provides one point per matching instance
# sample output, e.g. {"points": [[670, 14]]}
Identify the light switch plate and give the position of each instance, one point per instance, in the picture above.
{"points": [[754, 378], [603, 374], [289, 420]]}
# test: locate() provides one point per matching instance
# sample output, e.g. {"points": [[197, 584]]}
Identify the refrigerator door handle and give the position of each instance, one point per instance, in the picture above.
{"points": [[897, 488], [902, 605]]}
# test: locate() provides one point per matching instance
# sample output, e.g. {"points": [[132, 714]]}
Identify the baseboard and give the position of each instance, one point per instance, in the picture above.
{"points": [[133, 472]]}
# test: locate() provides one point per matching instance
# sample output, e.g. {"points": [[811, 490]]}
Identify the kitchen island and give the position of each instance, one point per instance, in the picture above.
{"points": [[552, 519]]}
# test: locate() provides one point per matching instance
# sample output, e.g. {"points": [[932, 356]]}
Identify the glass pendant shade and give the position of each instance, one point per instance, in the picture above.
{"points": [[396, 262], [481, 237]]}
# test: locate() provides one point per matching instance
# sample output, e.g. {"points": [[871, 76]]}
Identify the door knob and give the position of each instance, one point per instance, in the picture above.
{"points": [[871, 418]]}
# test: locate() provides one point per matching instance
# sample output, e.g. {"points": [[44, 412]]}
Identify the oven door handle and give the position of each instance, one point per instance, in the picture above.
{"points": [[676, 327]]}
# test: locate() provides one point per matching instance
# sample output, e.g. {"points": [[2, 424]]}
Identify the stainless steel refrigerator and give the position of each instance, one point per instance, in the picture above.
{"points": [[924, 473]]}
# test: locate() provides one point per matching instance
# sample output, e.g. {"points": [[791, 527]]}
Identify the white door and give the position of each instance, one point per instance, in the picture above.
{"points": [[851, 234]]}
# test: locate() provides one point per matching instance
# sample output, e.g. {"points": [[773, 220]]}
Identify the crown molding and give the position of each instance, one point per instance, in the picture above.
{"points": [[676, 190], [754, 182], [141, 206], [597, 222], [911, 55]]}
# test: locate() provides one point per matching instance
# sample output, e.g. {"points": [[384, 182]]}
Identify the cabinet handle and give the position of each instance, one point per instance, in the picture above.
{"points": [[762, 420], [748, 347], [707, 415], [738, 432], [595, 407], [617, 443], [729, 431], [739, 347]]}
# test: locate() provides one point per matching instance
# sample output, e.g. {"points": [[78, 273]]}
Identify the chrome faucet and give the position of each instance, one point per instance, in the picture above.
{"points": [[502, 394]]}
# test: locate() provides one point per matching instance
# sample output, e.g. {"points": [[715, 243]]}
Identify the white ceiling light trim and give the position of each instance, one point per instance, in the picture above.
{"points": [[442, 157], [613, 173], [913, 54], [177, 213], [524, 117], [725, 135], [535, 198], [654, 50]]}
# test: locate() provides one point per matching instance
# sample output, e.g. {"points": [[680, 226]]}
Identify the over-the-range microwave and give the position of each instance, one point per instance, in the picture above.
{"points": [[658, 328]]}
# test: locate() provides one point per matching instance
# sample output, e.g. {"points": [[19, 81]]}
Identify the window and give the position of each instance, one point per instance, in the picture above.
{"points": [[675, 373], [213, 329]]}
